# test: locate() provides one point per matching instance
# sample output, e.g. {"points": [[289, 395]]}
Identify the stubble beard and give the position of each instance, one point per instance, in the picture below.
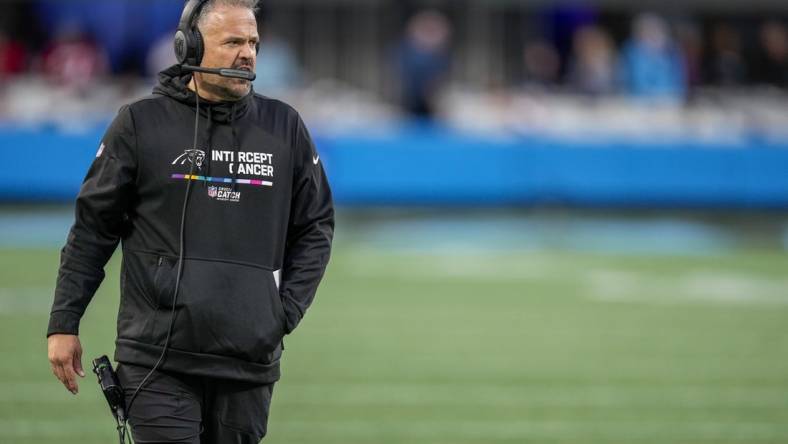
{"points": [[226, 90]]}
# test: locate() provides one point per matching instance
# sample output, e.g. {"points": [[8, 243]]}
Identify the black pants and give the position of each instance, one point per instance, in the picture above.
{"points": [[177, 408]]}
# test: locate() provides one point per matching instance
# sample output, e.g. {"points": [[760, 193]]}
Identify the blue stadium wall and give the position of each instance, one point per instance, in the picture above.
{"points": [[425, 165]]}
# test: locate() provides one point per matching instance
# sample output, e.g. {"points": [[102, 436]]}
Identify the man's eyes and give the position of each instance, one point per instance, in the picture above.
{"points": [[240, 42]]}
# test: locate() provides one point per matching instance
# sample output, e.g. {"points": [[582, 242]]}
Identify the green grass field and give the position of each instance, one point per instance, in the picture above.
{"points": [[445, 348]]}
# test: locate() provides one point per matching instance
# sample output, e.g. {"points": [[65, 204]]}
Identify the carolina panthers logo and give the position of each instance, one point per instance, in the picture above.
{"points": [[195, 157]]}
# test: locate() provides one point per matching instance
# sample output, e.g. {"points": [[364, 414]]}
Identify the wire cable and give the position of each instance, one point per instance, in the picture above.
{"points": [[122, 432]]}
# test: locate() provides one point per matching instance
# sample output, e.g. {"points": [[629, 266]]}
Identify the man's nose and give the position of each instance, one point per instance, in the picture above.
{"points": [[248, 52]]}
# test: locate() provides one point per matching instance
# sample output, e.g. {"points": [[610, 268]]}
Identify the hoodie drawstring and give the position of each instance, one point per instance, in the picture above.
{"points": [[208, 149], [236, 147]]}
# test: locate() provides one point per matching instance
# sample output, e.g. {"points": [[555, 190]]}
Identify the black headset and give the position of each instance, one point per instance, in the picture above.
{"points": [[189, 43]]}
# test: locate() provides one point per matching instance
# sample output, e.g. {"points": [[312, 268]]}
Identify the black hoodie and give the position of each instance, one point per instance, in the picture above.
{"points": [[258, 232]]}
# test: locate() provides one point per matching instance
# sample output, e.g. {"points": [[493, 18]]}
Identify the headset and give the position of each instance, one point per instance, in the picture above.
{"points": [[190, 45]]}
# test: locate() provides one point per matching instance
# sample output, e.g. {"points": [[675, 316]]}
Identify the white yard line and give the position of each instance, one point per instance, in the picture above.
{"points": [[25, 300], [462, 428], [580, 430], [460, 265], [447, 395], [609, 285]]}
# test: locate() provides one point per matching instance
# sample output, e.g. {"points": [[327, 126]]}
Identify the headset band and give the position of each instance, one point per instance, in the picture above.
{"points": [[190, 11]]}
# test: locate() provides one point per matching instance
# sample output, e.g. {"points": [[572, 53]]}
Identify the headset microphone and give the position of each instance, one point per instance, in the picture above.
{"points": [[224, 72]]}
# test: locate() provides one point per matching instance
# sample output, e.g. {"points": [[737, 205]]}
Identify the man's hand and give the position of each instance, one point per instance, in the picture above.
{"points": [[65, 355]]}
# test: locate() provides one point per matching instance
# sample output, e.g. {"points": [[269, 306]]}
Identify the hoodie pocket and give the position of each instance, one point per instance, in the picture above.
{"points": [[138, 301], [225, 309], [164, 279]]}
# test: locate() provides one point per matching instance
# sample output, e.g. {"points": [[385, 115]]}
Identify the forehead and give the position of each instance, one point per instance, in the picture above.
{"points": [[224, 19]]}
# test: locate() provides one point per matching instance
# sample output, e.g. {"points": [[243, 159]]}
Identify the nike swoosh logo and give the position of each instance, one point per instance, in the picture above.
{"points": [[316, 160]]}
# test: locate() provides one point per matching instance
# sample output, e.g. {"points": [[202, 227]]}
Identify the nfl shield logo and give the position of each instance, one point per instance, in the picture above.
{"points": [[212, 192]]}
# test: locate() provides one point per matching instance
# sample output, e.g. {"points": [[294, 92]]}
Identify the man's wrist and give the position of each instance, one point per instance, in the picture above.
{"points": [[63, 322]]}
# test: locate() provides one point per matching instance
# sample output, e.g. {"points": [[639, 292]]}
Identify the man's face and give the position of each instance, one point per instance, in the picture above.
{"points": [[230, 36]]}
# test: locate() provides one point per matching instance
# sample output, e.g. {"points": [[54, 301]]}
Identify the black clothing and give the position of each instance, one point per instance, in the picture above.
{"points": [[258, 232], [193, 409], [771, 71]]}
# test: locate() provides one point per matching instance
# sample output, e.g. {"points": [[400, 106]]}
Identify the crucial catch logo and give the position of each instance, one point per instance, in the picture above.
{"points": [[224, 194]]}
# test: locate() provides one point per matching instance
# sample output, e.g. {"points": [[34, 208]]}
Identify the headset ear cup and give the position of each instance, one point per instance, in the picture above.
{"points": [[199, 47], [181, 47]]}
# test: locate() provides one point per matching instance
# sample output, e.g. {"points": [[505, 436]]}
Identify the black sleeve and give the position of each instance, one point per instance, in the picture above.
{"points": [[101, 208], [310, 231]]}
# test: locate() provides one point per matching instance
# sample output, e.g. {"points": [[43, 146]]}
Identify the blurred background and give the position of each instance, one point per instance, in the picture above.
{"points": [[559, 221]]}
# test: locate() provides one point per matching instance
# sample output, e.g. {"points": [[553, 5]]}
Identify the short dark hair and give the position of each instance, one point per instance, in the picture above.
{"points": [[209, 6]]}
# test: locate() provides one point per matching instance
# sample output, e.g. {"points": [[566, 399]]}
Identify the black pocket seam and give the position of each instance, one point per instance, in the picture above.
{"points": [[163, 291], [201, 259], [237, 428], [274, 289]]}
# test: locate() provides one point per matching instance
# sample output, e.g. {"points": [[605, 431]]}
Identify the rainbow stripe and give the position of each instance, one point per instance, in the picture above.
{"points": [[259, 183]]}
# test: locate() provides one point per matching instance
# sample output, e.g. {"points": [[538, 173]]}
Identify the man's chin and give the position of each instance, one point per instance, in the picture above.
{"points": [[242, 90], [230, 89], [236, 92]]}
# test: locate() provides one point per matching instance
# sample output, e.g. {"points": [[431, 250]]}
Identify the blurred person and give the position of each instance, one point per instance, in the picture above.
{"points": [[691, 45], [771, 65], [541, 63], [562, 20], [727, 66], [224, 244], [73, 60], [127, 28], [652, 67], [592, 67], [13, 56], [424, 60]]}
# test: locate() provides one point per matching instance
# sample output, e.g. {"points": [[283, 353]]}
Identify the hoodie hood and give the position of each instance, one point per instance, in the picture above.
{"points": [[173, 82]]}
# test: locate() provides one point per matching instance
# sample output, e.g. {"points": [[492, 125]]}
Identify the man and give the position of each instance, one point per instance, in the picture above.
{"points": [[226, 232]]}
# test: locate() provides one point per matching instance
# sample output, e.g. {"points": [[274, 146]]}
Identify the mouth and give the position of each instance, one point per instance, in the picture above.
{"points": [[245, 68]]}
